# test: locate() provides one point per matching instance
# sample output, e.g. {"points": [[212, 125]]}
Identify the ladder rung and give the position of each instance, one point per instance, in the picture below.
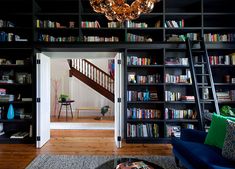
{"points": [[201, 84], [198, 51], [202, 74], [205, 87], [206, 100], [201, 63]]}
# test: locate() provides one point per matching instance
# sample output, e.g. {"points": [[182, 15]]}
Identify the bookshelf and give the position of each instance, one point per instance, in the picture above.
{"points": [[72, 25], [16, 70]]}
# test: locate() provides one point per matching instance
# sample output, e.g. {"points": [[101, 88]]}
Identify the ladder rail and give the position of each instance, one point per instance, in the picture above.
{"points": [[206, 58], [194, 80]]}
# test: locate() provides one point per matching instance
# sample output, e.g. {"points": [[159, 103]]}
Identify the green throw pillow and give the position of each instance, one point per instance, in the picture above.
{"points": [[217, 131]]}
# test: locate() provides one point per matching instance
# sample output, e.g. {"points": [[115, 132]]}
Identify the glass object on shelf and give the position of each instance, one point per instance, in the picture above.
{"points": [[10, 113]]}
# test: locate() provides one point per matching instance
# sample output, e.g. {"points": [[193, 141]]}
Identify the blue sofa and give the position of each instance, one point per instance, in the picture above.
{"points": [[191, 151]]}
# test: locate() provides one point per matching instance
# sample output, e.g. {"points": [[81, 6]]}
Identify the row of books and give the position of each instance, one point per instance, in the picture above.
{"points": [[143, 130], [210, 37], [146, 79], [49, 38], [171, 113], [52, 24], [138, 113], [137, 38], [9, 37], [174, 24], [100, 39], [175, 130], [19, 135], [141, 60], [177, 96], [90, 24], [180, 38], [179, 78], [176, 61], [7, 98], [226, 95], [4, 97], [6, 24], [172, 96], [142, 96], [131, 24], [115, 24], [220, 60]]}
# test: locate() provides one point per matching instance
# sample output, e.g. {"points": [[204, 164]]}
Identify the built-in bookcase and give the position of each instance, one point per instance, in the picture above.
{"points": [[155, 40]]}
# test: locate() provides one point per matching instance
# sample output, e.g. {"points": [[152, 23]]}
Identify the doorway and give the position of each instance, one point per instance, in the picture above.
{"points": [[74, 94], [83, 107]]}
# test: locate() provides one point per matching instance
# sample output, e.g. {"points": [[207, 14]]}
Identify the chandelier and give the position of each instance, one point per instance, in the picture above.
{"points": [[121, 11]]}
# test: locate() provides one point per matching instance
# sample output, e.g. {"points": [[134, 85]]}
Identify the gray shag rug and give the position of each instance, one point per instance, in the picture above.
{"points": [[47, 161]]}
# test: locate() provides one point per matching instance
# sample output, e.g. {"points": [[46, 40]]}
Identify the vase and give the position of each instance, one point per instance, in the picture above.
{"points": [[10, 113]]}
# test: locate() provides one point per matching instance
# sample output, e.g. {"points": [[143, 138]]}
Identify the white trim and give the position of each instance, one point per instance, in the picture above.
{"points": [[83, 126]]}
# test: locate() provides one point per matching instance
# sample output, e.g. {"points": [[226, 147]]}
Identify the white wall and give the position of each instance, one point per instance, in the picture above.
{"points": [[83, 95]]}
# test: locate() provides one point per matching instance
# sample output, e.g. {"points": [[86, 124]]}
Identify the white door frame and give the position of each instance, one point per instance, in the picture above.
{"points": [[43, 100], [118, 100]]}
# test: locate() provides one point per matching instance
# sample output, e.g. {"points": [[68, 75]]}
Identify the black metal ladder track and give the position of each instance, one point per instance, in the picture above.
{"points": [[202, 78]]}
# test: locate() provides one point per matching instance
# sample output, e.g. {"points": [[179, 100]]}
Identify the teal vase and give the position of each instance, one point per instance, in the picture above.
{"points": [[10, 113]]}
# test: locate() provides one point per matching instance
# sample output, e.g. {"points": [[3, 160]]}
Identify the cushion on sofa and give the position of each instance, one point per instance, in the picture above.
{"points": [[200, 155], [217, 131], [228, 150]]}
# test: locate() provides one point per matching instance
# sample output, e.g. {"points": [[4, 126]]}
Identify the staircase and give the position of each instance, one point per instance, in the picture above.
{"points": [[202, 80], [92, 76]]}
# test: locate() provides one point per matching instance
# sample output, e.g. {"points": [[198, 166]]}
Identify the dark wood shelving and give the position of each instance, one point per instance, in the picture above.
{"points": [[224, 84], [16, 121], [180, 102], [57, 14], [7, 139], [178, 84], [147, 84], [144, 120], [176, 66], [145, 102], [147, 140], [182, 14], [16, 102], [200, 17], [15, 84], [145, 66], [227, 102], [182, 120], [221, 66]]}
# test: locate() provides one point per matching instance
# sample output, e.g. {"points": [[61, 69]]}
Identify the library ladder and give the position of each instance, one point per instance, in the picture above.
{"points": [[203, 84]]}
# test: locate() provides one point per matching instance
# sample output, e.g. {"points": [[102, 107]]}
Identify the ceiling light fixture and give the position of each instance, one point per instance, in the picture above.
{"points": [[121, 11]]}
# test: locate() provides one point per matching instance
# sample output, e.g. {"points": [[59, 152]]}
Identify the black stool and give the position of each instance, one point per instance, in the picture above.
{"points": [[66, 103]]}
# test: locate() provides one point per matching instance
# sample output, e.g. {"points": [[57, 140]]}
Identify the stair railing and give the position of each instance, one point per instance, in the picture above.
{"points": [[93, 72]]}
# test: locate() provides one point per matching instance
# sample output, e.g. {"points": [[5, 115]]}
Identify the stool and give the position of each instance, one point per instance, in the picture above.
{"points": [[66, 103]]}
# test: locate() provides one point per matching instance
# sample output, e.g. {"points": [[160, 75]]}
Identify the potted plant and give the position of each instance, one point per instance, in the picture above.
{"points": [[63, 97], [227, 111], [103, 111]]}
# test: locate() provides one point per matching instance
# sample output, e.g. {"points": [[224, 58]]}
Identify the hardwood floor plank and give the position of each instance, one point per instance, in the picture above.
{"points": [[75, 142]]}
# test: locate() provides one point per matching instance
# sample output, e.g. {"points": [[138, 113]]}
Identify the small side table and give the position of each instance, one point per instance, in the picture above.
{"points": [[66, 103]]}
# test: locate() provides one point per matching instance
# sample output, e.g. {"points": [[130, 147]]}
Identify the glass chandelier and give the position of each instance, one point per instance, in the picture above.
{"points": [[121, 11]]}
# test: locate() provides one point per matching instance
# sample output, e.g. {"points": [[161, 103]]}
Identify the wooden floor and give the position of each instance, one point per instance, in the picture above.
{"points": [[85, 119], [75, 142]]}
